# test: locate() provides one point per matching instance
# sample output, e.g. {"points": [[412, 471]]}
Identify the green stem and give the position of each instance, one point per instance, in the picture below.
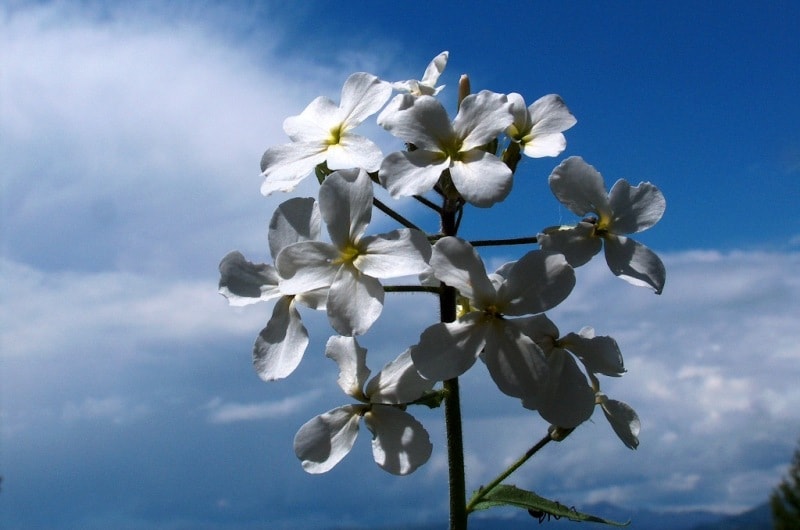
{"points": [[394, 215], [411, 289], [498, 242], [452, 401], [481, 493]]}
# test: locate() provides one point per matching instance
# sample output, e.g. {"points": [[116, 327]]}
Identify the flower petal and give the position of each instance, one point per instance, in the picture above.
{"points": [[578, 243], [306, 266], [636, 208], [355, 301], [352, 361], [280, 346], [550, 116], [244, 283], [412, 173], [315, 123], [398, 382], [579, 187], [600, 355], [323, 441], [294, 220], [481, 178], [345, 201], [566, 399], [623, 420], [284, 166], [354, 151], [397, 253], [516, 364], [537, 282], [447, 350], [481, 118], [635, 263], [400, 444], [363, 95], [421, 121], [434, 70], [457, 263]]}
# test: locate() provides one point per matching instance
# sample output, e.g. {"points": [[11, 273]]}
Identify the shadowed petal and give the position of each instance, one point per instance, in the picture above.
{"points": [[636, 208], [398, 253], [623, 420], [457, 263], [447, 350], [421, 121], [600, 355], [635, 263], [323, 441], [405, 174], [577, 243], [481, 178], [400, 444], [579, 187], [566, 399], [280, 346], [244, 283], [355, 301], [352, 361], [481, 118], [284, 166], [538, 281], [294, 220], [306, 266], [398, 382], [345, 201], [515, 362]]}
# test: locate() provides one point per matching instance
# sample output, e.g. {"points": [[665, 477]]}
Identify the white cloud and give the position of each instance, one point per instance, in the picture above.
{"points": [[222, 412]]}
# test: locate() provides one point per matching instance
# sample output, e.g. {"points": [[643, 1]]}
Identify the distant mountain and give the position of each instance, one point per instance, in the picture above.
{"points": [[759, 518]]}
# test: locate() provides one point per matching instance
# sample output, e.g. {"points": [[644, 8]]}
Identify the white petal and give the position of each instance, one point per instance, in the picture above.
{"points": [[314, 299], [550, 115], [400, 444], [352, 361], [521, 124], [280, 346], [294, 220], [316, 121], [457, 263], [579, 187], [362, 96], [354, 151], [481, 178], [516, 364], [435, 69], [636, 208], [398, 382], [345, 201], [600, 355], [398, 253], [635, 263], [447, 350], [545, 145], [566, 400], [412, 173], [284, 166], [323, 441], [421, 121], [578, 243], [244, 283], [355, 301], [481, 118], [306, 266], [537, 282], [623, 420]]}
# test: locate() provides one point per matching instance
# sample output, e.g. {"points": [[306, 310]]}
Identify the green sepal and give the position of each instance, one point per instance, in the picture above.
{"points": [[506, 495]]}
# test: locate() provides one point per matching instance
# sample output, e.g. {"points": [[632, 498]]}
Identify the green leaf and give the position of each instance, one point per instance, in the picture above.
{"points": [[505, 495]]}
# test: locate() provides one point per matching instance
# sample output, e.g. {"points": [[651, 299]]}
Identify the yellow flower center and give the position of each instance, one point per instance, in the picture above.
{"points": [[335, 135], [347, 254]]}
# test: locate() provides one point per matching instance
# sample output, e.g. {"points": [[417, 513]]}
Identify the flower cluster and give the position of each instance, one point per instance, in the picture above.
{"points": [[498, 317]]}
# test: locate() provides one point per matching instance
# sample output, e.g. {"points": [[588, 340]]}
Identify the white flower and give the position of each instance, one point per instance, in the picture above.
{"points": [[625, 209], [538, 128], [537, 282], [480, 177], [281, 344], [427, 85], [567, 399], [352, 263], [323, 133], [400, 443]]}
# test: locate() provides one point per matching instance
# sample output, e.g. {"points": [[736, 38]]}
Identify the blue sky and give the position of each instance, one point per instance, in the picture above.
{"points": [[131, 137]]}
